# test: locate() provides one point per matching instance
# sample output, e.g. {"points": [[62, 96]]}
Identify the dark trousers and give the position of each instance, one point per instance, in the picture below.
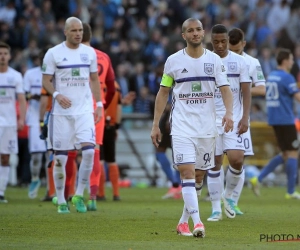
{"points": [[24, 174]]}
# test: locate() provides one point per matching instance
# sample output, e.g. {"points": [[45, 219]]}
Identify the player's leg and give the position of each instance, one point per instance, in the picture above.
{"points": [[4, 175], [291, 172], [215, 185], [37, 148], [239, 187], [290, 147], [50, 193], [94, 180], [234, 147], [101, 189], [8, 145], [273, 163], [184, 156], [110, 158], [62, 139], [175, 190], [85, 135], [96, 172], [205, 160], [70, 174]]}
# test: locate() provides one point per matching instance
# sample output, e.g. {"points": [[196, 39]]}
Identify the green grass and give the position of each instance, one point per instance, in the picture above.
{"points": [[143, 221]]}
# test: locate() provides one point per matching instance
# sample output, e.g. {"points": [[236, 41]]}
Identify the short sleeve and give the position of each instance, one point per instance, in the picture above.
{"points": [[167, 78], [49, 66], [221, 77], [257, 76], [292, 87], [19, 84], [27, 82], [93, 66], [244, 75]]}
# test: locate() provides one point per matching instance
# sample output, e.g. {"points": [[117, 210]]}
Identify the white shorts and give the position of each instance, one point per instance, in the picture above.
{"points": [[9, 140], [48, 142], [68, 132], [229, 141], [36, 145], [197, 151], [248, 143]]}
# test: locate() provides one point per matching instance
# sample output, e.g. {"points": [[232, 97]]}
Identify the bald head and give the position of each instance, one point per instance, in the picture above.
{"points": [[72, 20], [188, 21], [73, 32]]}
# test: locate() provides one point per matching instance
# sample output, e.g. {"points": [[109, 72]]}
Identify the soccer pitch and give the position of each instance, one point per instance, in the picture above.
{"points": [[143, 221]]}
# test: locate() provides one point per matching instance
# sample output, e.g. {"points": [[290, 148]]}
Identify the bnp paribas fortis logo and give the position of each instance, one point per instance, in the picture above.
{"points": [[76, 72], [196, 87]]}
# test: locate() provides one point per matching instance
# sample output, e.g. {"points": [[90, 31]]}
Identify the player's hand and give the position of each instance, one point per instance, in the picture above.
{"points": [[155, 136], [63, 101], [98, 114], [227, 122], [21, 124], [243, 125]]}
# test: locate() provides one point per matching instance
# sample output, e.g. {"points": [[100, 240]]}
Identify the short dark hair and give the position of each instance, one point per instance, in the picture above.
{"points": [[4, 45], [236, 35], [87, 32], [219, 29], [282, 54], [192, 19]]}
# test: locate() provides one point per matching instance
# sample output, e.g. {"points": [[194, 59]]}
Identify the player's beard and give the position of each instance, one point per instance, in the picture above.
{"points": [[3, 63], [195, 44]]}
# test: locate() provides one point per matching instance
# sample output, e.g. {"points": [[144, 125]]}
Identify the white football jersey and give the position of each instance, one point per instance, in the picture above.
{"points": [[237, 72], [33, 85], [11, 83], [71, 70], [255, 71], [193, 81]]}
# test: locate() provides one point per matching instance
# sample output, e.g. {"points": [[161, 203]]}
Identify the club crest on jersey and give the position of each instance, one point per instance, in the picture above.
{"points": [[232, 66], [84, 58], [179, 157], [208, 68]]}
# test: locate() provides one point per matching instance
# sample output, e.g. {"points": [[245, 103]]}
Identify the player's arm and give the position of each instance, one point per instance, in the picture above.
{"points": [[110, 85], [43, 105], [244, 122], [228, 103], [119, 109], [223, 84], [95, 88], [47, 84], [292, 87], [297, 96], [258, 90], [27, 86], [245, 83], [22, 105], [258, 80], [160, 104]]}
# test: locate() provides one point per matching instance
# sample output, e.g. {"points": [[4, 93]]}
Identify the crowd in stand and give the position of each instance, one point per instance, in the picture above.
{"points": [[140, 35]]}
